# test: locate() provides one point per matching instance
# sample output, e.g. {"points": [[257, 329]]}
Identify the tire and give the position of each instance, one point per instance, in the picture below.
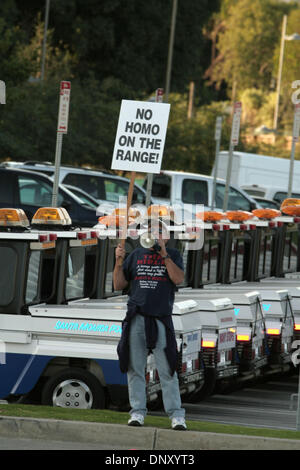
{"points": [[73, 388]]}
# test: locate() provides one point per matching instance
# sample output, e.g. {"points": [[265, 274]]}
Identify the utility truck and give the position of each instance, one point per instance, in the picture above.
{"points": [[251, 339], [177, 188], [259, 175], [52, 349], [278, 316]]}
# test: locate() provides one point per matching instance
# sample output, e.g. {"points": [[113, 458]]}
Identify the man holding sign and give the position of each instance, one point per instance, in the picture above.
{"points": [[152, 272]]}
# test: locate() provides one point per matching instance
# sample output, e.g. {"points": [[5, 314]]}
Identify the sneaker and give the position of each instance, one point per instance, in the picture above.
{"points": [[178, 424], [136, 420]]}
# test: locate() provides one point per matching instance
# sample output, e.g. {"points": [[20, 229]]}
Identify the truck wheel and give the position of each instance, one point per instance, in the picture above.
{"points": [[73, 388]]}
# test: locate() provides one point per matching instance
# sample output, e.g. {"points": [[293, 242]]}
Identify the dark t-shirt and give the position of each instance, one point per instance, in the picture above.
{"points": [[150, 286]]}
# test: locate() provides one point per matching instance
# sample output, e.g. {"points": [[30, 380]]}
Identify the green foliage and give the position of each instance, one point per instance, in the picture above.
{"points": [[246, 43], [257, 108], [190, 144], [126, 39], [117, 49], [29, 119], [15, 68]]}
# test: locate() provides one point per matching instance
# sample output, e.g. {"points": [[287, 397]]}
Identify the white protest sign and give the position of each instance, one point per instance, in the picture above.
{"points": [[2, 92], [63, 112], [235, 130], [140, 137]]}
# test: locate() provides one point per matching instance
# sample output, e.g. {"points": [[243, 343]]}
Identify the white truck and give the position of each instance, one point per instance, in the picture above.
{"points": [[203, 363], [52, 348], [259, 175], [278, 316], [251, 337], [177, 188]]}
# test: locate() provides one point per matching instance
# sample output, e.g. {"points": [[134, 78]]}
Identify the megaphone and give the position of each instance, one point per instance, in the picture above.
{"points": [[148, 241]]}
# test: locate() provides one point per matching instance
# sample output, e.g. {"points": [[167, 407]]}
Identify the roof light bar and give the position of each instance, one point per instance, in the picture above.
{"points": [[115, 220], [13, 218], [266, 213], [51, 216], [155, 210], [210, 216], [238, 216]]}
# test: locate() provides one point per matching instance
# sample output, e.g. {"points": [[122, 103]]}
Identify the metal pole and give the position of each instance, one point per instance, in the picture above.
{"points": [[291, 169], [170, 53], [296, 126], [45, 39], [235, 129], [158, 99], [59, 139], [229, 168], [279, 73], [218, 141]]}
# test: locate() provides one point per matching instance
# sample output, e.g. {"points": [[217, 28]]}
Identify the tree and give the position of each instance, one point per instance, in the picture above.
{"points": [[127, 40], [190, 144], [249, 33], [15, 68], [29, 120]]}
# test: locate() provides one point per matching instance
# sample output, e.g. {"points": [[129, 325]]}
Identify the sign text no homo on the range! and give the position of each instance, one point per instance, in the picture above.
{"points": [[140, 137]]}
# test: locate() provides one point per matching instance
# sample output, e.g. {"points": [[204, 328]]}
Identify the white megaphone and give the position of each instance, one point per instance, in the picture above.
{"points": [[147, 240]]}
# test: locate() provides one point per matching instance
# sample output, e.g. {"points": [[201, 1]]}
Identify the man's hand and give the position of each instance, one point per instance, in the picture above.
{"points": [[120, 253], [175, 273], [118, 275], [162, 251]]}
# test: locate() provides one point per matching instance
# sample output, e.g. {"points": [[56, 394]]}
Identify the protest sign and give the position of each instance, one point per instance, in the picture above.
{"points": [[140, 137]]}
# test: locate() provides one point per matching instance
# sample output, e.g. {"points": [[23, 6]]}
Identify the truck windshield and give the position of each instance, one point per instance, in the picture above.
{"points": [[33, 277], [161, 186], [9, 259], [75, 276], [194, 191], [236, 200], [281, 195]]}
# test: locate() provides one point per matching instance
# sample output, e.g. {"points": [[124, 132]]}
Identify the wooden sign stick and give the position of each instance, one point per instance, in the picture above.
{"points": [[129, 201]]}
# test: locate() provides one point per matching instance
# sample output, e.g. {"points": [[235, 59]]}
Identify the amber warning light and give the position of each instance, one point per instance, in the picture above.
{"points": [[13, 218], [51, 216]]}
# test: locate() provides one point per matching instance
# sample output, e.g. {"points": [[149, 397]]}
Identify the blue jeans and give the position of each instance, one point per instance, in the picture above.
{"points": [[136, 372]]}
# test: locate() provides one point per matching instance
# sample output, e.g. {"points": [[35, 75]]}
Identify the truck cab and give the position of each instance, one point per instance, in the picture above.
{"points": [[178, 188], [45, 353]]}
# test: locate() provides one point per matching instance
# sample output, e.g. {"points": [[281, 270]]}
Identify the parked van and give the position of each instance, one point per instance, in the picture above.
{"points": [[252, 169], [178, 188]]}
